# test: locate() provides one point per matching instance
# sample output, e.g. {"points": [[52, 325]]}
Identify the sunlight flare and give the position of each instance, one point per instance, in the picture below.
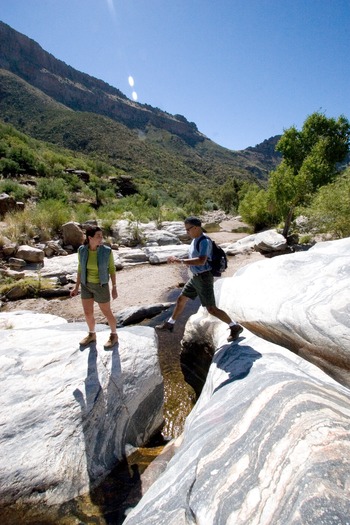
{"points": [[111, 7]]}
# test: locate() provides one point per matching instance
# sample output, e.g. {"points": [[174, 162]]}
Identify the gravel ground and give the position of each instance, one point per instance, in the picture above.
{"points": [[139, 285]]}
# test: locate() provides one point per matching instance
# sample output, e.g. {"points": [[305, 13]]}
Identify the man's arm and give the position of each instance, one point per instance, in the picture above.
{"points": [[195, 261]]}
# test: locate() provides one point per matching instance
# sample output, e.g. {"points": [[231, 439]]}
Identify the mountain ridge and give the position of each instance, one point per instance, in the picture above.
{"points": [[32, 99]]}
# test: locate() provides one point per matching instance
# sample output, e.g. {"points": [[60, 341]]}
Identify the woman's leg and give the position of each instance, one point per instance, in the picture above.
{"points": [[107, 312], [88, 307]]}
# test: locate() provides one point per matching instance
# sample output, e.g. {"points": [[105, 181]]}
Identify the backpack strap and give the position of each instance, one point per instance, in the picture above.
{"points": [[198, 241]]}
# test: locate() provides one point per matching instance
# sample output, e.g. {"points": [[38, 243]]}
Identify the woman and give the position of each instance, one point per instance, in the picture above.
{"points": [[95, 266]]}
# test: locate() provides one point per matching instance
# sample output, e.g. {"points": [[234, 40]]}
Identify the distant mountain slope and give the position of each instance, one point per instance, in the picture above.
{"points": [[54, 102], [81, 92]]}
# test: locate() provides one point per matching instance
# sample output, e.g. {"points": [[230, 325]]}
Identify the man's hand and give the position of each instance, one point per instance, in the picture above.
{"points": [[173, 259]]}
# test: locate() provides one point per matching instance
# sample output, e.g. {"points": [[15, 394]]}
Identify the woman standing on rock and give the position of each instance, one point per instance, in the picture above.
{"points": [[95, 266]]}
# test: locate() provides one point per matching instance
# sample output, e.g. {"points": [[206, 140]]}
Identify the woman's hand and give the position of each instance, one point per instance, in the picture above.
{"points": [[114, 292], [74, 292]]}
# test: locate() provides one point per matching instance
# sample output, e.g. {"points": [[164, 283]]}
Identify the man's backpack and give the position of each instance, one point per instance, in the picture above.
{"points": [[218, 258]]}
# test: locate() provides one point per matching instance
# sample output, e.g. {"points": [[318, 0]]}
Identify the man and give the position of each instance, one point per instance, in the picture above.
{"points": [[201, 283]]}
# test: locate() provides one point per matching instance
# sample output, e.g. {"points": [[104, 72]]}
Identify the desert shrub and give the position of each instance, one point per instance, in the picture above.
{"points": [[25, 159], [18, 226], [135, 206], [42, 221], [83, 212], [31, 285], [73, 182], [210, 206], [49, 216], [14, 189], [9, 167], [52, 189], [305, 239]]}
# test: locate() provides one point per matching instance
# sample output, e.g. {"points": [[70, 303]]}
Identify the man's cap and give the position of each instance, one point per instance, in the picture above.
{"points": [[194, 221]]}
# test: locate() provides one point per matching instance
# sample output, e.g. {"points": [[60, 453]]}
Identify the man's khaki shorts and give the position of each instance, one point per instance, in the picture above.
{"points": [[201, 285], [99, 292]]}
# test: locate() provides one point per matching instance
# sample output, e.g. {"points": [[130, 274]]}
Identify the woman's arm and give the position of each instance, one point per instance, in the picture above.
{"points": [[113, 274], [75, 290]]}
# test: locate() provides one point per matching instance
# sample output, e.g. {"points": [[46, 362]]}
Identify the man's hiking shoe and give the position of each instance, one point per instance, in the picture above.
{"points": [[90, 338], [165, 326], [112, 341], [235, 330]]}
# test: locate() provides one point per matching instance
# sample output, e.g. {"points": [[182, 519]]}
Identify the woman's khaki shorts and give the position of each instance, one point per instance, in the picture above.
{"points": [[201, 285], [98, 292]]}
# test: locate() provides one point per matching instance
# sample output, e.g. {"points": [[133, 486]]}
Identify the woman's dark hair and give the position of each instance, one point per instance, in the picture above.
{"points": [[90, 232]]}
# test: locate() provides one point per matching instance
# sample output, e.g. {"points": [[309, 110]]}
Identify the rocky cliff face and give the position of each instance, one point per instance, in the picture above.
{"points": [[25, 58]]}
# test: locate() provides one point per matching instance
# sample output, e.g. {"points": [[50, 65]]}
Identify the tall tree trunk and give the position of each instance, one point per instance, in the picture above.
{"points": [[288, 222]]}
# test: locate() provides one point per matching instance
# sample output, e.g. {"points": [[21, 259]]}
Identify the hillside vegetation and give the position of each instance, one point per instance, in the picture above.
{"points": [[74, 144], [51, 101]]}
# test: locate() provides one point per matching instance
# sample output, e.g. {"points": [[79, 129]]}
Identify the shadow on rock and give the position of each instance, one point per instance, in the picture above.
{"points": [[236, 361]]}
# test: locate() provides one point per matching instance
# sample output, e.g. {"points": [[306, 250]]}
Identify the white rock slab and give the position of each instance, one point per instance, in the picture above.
{"points": [[301, 301], [160, 254], [177, 228], [267, 443], [265, 242], [132, 256], [161, 238], [67, 416]]}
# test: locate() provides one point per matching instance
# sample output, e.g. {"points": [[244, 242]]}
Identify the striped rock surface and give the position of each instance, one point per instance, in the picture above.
{"points": [[267, 443], [67, 416]]}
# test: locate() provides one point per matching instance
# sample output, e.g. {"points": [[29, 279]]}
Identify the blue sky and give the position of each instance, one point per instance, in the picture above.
{"points": [[242, 70]]}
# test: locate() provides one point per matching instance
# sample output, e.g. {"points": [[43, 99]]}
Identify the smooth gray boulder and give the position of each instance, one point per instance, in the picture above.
{"points": [[68, 416], [265, 242], [72, 234], [300, 301], [160, 254], [30, 254], [137, 314]]}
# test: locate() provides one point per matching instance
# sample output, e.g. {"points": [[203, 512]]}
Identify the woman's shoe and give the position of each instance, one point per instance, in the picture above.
{"points": [[112, 341], [90, 338]]}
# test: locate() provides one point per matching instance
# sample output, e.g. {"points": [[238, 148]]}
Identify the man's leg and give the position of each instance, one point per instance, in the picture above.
{"points": [[179, 308], [235, 328], [205, 289], [220, 314]]}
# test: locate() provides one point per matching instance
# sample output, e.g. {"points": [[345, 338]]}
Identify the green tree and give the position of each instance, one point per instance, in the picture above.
{"points": [[310, 158], [255, 208], [228, 195], [329, 211]]}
